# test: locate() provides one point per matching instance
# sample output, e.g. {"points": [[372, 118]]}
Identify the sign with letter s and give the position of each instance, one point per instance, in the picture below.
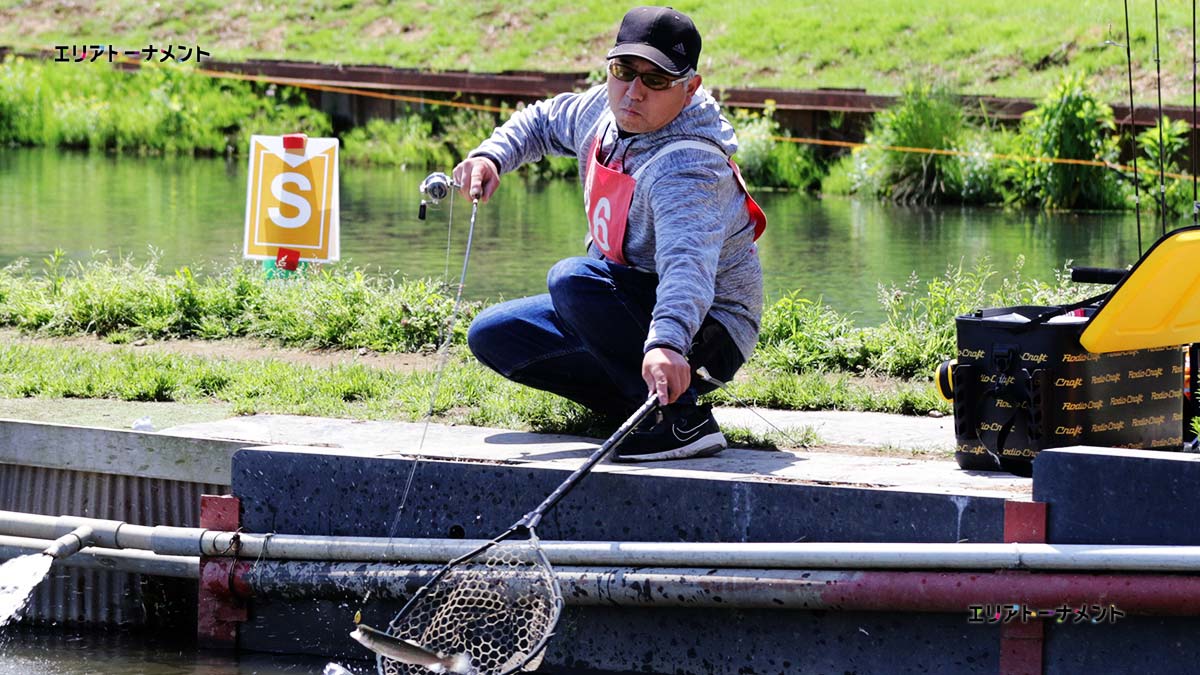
{"points": [[292, 198]]}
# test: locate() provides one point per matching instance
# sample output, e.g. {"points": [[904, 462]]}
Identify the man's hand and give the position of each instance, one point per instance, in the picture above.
{"points": [[666, 373], [478, 177]]}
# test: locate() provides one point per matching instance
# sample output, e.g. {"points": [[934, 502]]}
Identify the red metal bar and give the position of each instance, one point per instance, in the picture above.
{"points": [[1022, 643], [516, 84], [1024, 522], [1150, 594], [220, 608]]}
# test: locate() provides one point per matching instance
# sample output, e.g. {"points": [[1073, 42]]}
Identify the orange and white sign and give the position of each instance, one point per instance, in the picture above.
{"points": [[292, 198]]}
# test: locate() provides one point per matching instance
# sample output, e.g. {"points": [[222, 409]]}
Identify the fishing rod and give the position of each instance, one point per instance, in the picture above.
{"points": [[1137, 179], [1192, 135], [1162, 181]]}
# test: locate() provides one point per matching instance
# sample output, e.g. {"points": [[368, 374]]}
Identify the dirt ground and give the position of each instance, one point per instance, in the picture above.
{"points": [[237, 349], [114, 414]]}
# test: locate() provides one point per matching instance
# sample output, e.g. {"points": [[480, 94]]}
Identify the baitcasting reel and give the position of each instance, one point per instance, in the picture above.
{"points": [[435, 187]]}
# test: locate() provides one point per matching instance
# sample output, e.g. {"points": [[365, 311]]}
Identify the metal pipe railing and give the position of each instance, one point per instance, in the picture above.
{"points": [[794, 589], [742, 588], [91, 557], [70, 543], [197, 541]]}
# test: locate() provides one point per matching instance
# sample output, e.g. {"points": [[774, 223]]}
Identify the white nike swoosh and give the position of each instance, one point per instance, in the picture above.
{"points": [[688, 434]]}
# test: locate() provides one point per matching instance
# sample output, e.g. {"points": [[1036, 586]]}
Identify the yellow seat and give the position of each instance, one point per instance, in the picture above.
{"points": [[1157, 304]]}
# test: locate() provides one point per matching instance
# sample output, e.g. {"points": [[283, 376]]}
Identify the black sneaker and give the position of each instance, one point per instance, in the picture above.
{"points": [[680, 432]]}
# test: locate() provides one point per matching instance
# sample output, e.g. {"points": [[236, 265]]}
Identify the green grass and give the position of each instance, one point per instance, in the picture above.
{"points": [[787, 437], [804, 336], [809, 356], [334, 307], [154, 110], [971, 46], [468, 393]]}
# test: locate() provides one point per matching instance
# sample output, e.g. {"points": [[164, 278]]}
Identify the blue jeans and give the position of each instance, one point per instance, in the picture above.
{"points": [[583, 340]]}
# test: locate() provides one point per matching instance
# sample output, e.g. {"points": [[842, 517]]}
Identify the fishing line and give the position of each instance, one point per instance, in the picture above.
{"points": [[702, 373], [1162, 183], [449, 233], [1192, 134], [444, 346], [1137, 194], [435, 187]]}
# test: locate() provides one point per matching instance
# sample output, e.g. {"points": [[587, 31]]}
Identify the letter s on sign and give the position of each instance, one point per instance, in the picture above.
{"points": [[600, 216], [291, 199]]}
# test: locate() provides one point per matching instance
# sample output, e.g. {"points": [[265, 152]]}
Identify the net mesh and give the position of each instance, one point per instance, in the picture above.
{"points": [[497, 607]]}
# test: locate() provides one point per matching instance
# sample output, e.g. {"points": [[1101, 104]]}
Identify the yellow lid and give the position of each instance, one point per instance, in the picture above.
{"points": [[1157, 304]]}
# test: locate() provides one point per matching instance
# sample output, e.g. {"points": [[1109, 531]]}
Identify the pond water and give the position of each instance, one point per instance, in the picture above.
{"points": [[191, 211], [51, 651]]}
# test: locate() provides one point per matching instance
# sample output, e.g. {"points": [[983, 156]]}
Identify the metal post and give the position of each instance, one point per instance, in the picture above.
{"points": [[1022, 643], [220, 610]]}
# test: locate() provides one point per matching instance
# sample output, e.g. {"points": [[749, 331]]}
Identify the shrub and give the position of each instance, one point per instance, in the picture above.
{"points": [[800, 335], [976, 176], [767, 162], [405, 142], [1176, 193], [1070, 123], [840, 179], [925, 117]]}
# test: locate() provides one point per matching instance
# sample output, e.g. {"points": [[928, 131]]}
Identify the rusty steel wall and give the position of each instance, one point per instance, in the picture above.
{"points": [[78, 596]]}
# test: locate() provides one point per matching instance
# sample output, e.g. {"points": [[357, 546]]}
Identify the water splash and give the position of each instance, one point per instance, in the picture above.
{"points": [[18, 578]]}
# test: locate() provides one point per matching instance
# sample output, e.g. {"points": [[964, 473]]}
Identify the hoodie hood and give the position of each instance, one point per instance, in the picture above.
{"points": [[702, 118]]}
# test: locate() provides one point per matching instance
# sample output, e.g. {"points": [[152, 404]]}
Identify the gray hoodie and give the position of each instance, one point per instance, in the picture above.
{"points": [[688, 221]]}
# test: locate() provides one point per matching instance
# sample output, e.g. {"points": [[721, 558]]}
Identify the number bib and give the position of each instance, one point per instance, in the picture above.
{"points": [[608, 194]]}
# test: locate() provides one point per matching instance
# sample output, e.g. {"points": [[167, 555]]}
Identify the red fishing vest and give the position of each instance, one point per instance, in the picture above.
{"points": [[608, 194]]}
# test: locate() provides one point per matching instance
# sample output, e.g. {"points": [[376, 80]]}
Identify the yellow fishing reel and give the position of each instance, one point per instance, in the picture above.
{"points": [[945, 379]]}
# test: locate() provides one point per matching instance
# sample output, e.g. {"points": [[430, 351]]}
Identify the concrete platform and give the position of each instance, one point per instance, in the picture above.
{"points": [[304, 475], [348, 478], [500, 446]]}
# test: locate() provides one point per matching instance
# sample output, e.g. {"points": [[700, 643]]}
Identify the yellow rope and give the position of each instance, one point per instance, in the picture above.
{"points": [[306, 84], [964, 153]]}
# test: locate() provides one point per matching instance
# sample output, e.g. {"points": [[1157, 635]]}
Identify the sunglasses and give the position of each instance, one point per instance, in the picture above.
{"points": [[655, 81]]}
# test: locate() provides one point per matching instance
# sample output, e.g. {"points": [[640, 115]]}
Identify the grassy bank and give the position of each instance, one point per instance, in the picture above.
{"points": [[809, 356], [1031, 50], [467, 394], [167, 109], [974, 46], [1065, 154], [122, 300]]}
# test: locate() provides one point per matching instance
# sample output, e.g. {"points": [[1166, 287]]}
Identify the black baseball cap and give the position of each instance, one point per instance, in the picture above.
{"points": [[661, 35]]}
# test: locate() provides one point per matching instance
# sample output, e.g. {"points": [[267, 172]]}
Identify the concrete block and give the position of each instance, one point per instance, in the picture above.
{"points": [[308, 492], [1118, 496]]}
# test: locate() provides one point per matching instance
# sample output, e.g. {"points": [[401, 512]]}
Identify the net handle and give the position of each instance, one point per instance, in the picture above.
{"points": [[530, 520]]}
